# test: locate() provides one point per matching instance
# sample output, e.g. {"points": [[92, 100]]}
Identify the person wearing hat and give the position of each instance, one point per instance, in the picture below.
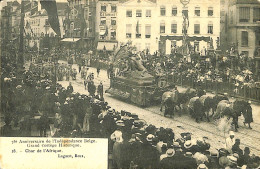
{"points": [[149, 153], [169, 161], [202, 166], [230, 141]]}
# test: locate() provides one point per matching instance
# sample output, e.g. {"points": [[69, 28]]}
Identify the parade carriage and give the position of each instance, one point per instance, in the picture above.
{"points": [[135, 84]]}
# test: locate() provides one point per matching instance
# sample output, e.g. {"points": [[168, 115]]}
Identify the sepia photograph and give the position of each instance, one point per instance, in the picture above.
{"points": [[130, 84]]}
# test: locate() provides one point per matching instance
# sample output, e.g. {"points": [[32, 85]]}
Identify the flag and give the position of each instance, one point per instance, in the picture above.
{"points": [[51, 7], [137, 27], [106, 33], [83, 21]]}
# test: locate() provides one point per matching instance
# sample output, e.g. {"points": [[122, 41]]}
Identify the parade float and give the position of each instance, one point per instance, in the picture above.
{"points": [[133, 83]]}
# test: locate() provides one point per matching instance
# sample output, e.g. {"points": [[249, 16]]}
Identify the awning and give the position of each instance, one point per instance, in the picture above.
{"points": [[70, 40], [109, 46], [102, 32]]}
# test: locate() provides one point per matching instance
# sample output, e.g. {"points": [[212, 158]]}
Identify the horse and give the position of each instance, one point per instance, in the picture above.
{"points": [[234, 110], [196, 108], [178, 99]]}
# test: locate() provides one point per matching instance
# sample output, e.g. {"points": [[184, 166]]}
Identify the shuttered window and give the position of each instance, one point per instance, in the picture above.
{"points": [[128, 30], [244, 38], [147, 31], [256, 15], [196, 28], [174, 28], [244, 14]]}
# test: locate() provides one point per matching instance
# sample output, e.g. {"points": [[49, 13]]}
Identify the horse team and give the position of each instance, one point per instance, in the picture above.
{"points": [[201, 105]]}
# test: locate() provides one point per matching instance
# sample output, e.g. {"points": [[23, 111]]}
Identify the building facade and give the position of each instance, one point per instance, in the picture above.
{"points": [[202, 24], [138, 24], [79, 23], [244, 26], [159, 25], [106, 24]]}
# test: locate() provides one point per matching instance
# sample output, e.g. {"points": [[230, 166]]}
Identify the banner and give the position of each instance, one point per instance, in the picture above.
{"points": [[51, 8]]}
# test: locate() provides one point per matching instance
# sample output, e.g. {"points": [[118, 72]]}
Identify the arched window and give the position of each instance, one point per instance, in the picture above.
{"points": [[163, 11], [210, 11], [174, 11]]}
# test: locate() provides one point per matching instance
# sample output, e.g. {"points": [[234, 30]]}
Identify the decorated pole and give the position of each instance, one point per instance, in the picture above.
{"points": [[20, 59], [185, 26]]}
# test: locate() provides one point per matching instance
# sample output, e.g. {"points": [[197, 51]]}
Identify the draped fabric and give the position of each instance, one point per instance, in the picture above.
{"points": [[51, 8]]}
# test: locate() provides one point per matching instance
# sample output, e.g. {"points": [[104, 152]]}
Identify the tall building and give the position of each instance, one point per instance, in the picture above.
{"points": [[244, 26], [106, 24], [159, 25], [79, 24]]}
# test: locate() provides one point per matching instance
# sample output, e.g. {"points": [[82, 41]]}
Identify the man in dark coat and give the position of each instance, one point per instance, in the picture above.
{"points": [[169, 161], [150, 155], [70, 88]]}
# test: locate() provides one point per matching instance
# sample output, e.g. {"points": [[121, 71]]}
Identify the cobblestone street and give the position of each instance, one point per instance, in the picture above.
{"points": [[179, 124]]}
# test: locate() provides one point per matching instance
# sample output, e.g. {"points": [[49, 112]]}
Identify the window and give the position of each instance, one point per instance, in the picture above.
{"points": [[244, 38], [128, 13], [244, 14], [256, 15], [148, 13], [196, 28], [103, 22], [210, 11], [113, 35], [113, 21], [163, 11], [138, 30], [138, 13], [210, 28], [128, 30], [147, 31], [174, 27], [162, 27], [103, 8], [174, 11], [196, 46], [197, 11], [113, 8], [185, 12]]}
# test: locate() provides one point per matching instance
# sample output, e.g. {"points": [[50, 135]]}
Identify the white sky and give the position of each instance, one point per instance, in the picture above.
{"points": [[3, 2]]}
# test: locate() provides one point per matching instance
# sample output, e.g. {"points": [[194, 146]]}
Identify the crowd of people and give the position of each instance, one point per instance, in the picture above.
{"points": [[32, 97]]}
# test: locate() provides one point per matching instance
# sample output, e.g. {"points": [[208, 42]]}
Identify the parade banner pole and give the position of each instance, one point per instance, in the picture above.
{"points": [[21, 46]]}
